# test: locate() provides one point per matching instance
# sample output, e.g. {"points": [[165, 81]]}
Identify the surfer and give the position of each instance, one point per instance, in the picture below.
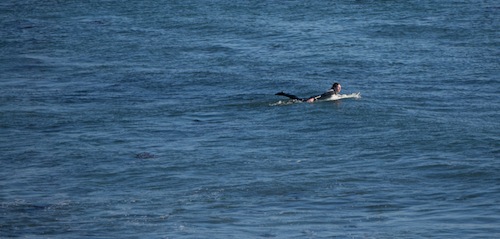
{"points": [[336, 88]]}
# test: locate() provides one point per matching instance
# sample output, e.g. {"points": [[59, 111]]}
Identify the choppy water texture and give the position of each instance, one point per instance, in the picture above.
{"points": [[158, 119]]}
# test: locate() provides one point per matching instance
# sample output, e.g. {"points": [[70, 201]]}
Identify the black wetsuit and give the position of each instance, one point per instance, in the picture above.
{"points": [[293, 97], [327, 94]]}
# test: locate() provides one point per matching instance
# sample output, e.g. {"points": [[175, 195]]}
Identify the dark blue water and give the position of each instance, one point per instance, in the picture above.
{"points": [[158, 119]]}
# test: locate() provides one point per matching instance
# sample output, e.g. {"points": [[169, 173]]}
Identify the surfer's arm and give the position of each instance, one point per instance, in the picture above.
{"points": [[319, 97], [312, 99]]}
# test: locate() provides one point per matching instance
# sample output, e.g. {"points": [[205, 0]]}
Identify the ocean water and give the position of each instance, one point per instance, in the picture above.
{"points": [[158, 119]]}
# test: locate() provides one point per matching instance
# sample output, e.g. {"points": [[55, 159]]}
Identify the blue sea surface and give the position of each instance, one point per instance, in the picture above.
{"points": [[158, 119]]}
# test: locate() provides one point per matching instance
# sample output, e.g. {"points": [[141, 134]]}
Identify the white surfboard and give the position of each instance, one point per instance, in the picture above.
{"points": [[333, 97], [345, 96]]}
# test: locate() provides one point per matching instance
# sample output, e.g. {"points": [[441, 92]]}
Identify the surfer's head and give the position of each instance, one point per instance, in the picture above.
{"points": [[336, 87]]}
